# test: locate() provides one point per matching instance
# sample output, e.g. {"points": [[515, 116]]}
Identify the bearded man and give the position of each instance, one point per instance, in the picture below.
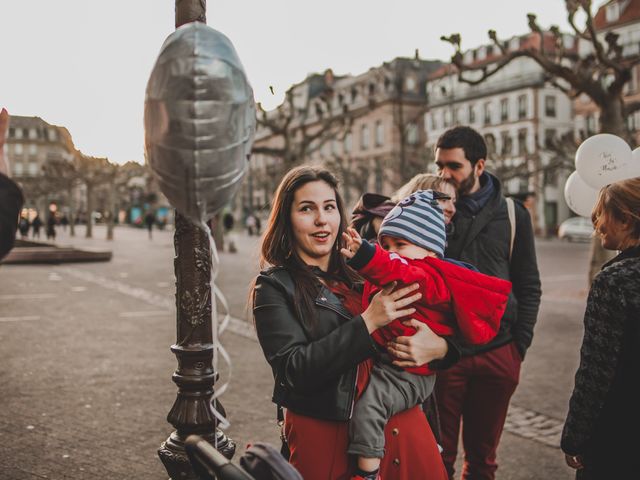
{"points": [[479, 387]]}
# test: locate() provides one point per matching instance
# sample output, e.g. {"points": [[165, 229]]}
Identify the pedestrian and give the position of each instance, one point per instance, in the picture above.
{"points": [[601, 430], [258, 224], [411, 249], [149, 220], [64, 221], [51, 227], [499, 241], [11, 198], [316, 338], [227, 222], [250, 224], [24, 226], [35, 226]]}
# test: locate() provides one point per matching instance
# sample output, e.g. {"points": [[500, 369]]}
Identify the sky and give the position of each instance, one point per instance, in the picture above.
{"points": [[84, 64]]}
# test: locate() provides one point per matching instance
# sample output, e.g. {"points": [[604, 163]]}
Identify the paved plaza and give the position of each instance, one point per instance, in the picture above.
{"points": [[86, 378]]}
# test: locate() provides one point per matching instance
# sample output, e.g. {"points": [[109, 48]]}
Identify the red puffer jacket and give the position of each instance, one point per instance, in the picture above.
{"points": [[454, 299]]}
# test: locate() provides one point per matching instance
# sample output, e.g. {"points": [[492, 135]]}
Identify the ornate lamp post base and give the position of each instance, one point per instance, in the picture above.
{"points": [[174, 458]]}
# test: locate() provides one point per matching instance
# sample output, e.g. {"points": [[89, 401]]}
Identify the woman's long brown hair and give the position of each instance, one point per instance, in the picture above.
{"points": [[278, 244], [620, 200]]}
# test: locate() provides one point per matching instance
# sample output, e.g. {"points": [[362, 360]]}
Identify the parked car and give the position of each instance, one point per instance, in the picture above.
{"points": [[576, 228]]}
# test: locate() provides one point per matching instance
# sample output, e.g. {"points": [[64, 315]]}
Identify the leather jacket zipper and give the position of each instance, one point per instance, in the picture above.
{"points": [[343, 314], [352, 394]]}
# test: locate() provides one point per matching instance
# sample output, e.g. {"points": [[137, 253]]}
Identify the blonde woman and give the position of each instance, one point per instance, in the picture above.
{"points": [[428, 181]]}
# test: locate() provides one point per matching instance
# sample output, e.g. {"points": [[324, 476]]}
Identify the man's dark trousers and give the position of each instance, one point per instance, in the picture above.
{"points": [[487, 382]]}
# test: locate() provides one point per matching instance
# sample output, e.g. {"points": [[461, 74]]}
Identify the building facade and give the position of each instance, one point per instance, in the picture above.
{"points": [[521, 116], [367, 128], [31, 143]]}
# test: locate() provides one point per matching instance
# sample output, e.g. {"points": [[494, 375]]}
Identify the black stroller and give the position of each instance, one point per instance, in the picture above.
{"points": [[260, 462]]}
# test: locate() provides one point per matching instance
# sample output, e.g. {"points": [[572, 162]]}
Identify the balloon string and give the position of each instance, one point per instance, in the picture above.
{"points": [[217, 330]]}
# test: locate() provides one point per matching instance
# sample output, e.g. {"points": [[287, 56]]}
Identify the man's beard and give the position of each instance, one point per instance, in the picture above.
{"points": [[465, 186]]}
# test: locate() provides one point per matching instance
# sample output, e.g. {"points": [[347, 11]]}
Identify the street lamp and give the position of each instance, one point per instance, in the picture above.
{"points": [[192, 411]]}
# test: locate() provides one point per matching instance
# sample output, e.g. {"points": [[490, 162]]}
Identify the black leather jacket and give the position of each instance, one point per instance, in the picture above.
{"points": [[315, 372]]}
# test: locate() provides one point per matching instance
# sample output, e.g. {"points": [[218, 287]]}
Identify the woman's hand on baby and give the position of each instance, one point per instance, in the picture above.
{"points": [[418, 349], [352, 241], [388, 304]]}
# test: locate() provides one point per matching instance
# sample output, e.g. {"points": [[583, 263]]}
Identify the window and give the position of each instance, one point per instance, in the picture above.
{"points": [[33, 134], [550, 177], [504, 109], [550, 106], [472, 114], [505, 138], [379, 133], [591, 125], [364, 137], [18, 133], [354, 94], [17, 148], [631, 123], [412, 133], [33, 149], [612, 12], [410, 84], [447, 118], [456, 116], [522, 142], [348, 143], [33, 168], [53, 135], [490, 140], [549, 137], [487, 113], [434, 121], [18, 168], [522, 106]]}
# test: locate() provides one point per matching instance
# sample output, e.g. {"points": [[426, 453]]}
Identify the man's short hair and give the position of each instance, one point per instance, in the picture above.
{"points": [[466, 138]]}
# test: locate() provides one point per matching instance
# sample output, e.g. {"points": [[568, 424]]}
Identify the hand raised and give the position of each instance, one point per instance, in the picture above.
{"points": [[352, 241]]}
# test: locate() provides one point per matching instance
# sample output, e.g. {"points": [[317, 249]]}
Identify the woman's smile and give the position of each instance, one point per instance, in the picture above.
{"points": [[315, 221]]}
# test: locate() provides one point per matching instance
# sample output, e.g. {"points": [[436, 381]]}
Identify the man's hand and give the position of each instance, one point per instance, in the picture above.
{"points": [[574, 461], [352, 241], [4, 128], [418, 349]]}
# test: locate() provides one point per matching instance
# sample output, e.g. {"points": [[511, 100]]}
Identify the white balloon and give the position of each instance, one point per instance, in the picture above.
{"points": [[603, 159], [579, 196]]}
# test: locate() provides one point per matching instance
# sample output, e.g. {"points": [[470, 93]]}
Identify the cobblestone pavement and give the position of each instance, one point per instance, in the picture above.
{"points": [[87, 375]]}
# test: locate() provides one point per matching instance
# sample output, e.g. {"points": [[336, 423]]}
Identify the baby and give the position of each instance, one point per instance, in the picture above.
{"points": [[455, 300]]}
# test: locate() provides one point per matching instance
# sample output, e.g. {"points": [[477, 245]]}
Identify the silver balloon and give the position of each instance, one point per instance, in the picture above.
{"points": [[199, 121]]}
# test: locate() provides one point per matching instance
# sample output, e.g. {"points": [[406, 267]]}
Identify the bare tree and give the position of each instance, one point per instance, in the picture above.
{"points": [[67, 176], [117, 178], [92, 171], [601, 74], [302, 129]]}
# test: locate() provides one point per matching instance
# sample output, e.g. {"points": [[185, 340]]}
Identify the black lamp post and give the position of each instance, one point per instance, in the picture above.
{"points": [[192, 412]]}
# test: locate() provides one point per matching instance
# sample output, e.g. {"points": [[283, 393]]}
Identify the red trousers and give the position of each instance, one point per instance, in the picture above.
{"points": [[318, 448], [477, 390]]}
